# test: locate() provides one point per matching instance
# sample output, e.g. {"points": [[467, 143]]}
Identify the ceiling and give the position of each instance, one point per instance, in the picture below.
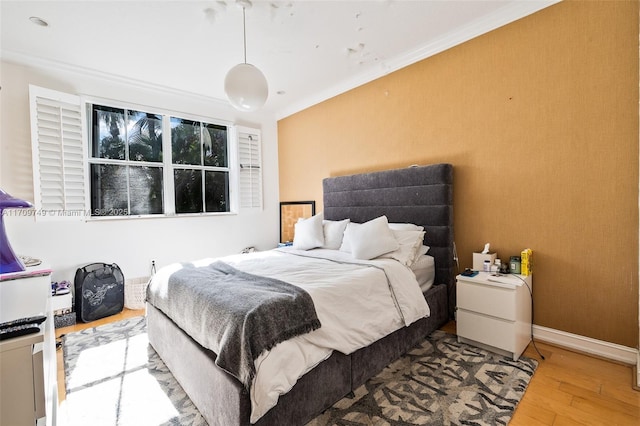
{"points": [[309, 51]]}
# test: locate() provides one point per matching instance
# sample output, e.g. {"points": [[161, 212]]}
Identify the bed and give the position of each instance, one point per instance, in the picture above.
{"points": [[415, 195]]}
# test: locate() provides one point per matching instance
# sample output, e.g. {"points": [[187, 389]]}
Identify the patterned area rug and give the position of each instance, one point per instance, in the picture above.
{"points": [[113, 377], [439, 382]]}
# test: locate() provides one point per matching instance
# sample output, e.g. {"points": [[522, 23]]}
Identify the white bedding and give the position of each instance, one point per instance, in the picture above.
{"points": [[425, 270], [357, 302]]}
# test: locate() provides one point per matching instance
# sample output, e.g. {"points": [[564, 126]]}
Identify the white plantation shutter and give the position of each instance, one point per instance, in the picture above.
{"points": [[58, 153], [250, 159]]}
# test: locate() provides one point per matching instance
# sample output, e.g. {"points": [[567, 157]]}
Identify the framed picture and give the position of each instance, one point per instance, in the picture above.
{"points": [[290, 212]]}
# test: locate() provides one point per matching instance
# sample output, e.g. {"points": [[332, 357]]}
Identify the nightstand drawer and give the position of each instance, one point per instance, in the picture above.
{"points": [[488, 330], [487, 299]]}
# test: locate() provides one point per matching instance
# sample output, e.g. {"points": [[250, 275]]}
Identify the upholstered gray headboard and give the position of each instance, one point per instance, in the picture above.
{"points": [[421, 195]]}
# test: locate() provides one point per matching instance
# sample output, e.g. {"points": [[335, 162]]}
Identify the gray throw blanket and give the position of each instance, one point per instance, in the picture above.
{"points": [[238, 315]]}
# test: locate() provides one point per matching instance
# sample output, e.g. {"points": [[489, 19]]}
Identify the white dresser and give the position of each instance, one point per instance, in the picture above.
{"points": [[494, 312], [28, 389]]}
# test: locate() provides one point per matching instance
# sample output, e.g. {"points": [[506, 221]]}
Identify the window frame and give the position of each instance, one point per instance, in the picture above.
{"points": [[201, 167], [167, 165], [126, 162]]}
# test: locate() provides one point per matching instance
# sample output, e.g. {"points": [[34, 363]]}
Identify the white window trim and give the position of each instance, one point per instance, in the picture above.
{"points": [[167, 174]]}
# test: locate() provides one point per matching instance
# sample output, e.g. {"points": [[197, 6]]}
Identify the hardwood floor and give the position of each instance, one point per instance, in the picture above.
{"points": [[126, 313], [568, 388]]}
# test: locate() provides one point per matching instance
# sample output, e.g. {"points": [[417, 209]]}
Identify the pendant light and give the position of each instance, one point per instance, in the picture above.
{"points": [[245, 85]]}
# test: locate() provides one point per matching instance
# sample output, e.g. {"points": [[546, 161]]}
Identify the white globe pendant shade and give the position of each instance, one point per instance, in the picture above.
{"points": [[246, 87]]}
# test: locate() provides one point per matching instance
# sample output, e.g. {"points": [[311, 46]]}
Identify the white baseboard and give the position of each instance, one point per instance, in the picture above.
{"points": [[588, 345], [636, 375]]}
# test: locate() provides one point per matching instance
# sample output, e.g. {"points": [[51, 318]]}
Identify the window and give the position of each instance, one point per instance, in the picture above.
{"points": [[137, 162], [126, 166], [200, 166]]}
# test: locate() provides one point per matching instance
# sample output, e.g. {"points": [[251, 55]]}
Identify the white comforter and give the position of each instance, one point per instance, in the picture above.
{"points": [[357, 302]]}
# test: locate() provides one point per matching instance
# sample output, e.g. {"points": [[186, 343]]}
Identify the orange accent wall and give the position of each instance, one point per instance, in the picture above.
{"points": [[540, 120]]}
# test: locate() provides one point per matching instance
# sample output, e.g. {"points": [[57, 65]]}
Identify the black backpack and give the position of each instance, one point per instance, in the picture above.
{"points": [[99, 291]]}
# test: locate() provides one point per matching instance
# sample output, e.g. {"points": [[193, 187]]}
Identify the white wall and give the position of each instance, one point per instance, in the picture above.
{"points": [[131, 243]]}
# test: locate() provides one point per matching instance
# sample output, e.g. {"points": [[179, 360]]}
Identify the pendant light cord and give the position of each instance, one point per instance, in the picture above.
{"points": [[244, 33]]}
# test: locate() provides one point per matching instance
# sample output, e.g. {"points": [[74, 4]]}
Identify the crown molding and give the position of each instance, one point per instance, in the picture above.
{"points": [[503, 16], [40, 63]]}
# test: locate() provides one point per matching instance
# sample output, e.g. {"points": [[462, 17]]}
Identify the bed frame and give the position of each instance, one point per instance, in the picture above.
{"points": [[420, 195]]}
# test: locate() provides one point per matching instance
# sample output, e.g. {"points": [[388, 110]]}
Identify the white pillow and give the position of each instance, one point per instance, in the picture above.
{"points": [[370, 239], [422, 251], [425, 271], [405, 227], [393, 226], [346, 244], [409, 244], [333, 233], [308, 233]]}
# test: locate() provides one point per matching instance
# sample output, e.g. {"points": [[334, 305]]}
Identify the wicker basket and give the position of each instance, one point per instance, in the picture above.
{"points": [[135, 292]]}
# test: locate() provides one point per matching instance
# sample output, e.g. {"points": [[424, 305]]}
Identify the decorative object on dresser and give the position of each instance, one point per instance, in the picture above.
{"points": [[9, 262], [494, 311]]}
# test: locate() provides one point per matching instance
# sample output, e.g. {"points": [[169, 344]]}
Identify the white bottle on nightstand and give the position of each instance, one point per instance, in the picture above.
{"points": [[494, 312]]}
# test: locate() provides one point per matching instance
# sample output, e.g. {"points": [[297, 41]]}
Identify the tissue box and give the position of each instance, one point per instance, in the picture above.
{"points": [[479, 258]]}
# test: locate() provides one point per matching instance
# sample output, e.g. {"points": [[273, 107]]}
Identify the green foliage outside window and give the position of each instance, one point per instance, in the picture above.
{"points": [[127, 173]]}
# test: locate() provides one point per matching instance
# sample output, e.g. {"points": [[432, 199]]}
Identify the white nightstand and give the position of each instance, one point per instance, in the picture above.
{"points": [[494, 312]]}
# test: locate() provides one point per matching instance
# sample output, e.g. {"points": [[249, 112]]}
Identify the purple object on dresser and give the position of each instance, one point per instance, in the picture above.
{"points": [[9, 262]]}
